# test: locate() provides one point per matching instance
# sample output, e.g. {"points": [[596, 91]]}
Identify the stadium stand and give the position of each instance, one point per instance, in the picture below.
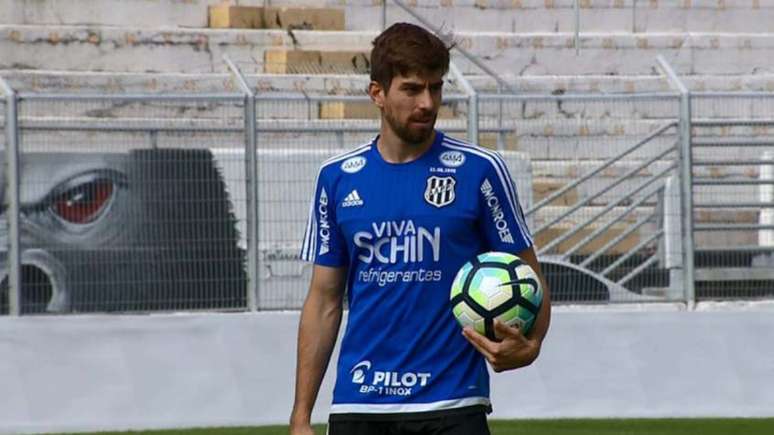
{"points": [[321, 47]]}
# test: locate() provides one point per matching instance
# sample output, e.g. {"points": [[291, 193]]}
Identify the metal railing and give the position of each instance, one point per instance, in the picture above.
{"points": [[607, 183], [608, 227], [733, 183]]}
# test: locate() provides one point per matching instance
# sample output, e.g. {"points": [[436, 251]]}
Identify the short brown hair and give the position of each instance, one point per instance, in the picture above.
{"points": [[403, 49]]}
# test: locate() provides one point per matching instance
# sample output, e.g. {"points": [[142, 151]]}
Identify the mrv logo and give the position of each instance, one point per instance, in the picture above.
{"points": [[386, 382], [498, 217], [325, 226], [392, 242]]}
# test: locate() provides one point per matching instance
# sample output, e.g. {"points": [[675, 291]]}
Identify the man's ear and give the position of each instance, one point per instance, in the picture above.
{"points": [[376, 92]]}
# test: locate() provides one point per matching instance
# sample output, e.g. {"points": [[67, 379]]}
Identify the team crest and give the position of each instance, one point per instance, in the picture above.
{"points": [[440, 191]]}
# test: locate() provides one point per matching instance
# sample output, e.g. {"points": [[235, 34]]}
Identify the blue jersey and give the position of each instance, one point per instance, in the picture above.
{"points": [[403, 231]]}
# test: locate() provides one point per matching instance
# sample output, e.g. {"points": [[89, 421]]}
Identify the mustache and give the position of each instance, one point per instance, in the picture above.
{"points": [[424, 117]]}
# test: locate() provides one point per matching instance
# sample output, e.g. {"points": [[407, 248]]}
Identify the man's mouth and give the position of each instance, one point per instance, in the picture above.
{"points": [[422, 120]]}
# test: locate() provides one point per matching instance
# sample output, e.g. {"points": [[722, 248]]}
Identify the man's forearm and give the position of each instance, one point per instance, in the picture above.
{"points": [[317, 334]]}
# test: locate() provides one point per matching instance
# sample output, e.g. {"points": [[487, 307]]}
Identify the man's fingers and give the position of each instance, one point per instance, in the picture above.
{"points": [[504, 330], [481, 343]]}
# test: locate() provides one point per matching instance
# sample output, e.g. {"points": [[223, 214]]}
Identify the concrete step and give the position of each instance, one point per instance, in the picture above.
{"points": [[572, 117], [228, 16], [62, 81], [626, 245], [456, 15], [623, 84], [132, 49], [367, 110], [595, 15], [352, 84], [552, 175], [284, 61], [703, 239], [549, 234], [544, 187], [154, 13], [349, 84], [542, 140]]}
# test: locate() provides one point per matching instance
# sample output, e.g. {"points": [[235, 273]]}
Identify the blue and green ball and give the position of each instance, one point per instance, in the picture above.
{"points": [[496, 285]]}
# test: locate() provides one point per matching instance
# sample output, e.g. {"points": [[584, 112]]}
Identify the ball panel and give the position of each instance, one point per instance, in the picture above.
{"points": [[480, 326], [466, 315], [531, 290], [486, 288], [514, 317], [528, 293], [489, 291], [459, 280], [497, 257]]}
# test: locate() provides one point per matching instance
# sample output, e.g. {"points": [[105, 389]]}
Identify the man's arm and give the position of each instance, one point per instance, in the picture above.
{"points": [[515, 350], [317, 333]]}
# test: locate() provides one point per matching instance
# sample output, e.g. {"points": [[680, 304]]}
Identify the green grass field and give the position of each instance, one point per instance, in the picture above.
{"points": [[549, 427]]}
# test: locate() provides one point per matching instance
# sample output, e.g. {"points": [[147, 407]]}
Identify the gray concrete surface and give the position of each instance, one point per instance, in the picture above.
{"points": [[186, 370]]}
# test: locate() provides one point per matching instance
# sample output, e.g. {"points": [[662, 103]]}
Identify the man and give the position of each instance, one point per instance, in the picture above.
{"points": [[391, 222]]}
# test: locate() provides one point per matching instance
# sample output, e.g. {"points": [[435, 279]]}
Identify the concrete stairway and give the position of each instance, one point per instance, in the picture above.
{"points": [[131, 49], [513, 16], [102, 46]]}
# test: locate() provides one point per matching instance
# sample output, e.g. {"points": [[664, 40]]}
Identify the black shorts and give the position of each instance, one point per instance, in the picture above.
{"points": [[453, 424]]}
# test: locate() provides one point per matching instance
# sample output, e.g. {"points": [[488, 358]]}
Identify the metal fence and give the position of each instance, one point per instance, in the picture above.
{"points": [[118, 202], [733, 190], [600, 170], [122, 205]]}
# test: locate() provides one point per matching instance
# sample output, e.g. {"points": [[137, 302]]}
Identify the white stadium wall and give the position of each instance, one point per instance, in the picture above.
{"points": [[86, 373]]}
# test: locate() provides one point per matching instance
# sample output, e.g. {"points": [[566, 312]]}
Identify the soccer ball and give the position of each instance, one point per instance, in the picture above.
{"points": [[496, 285]]}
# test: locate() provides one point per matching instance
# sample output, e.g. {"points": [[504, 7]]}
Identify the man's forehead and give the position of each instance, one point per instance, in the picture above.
{"points": [[419, 78]]}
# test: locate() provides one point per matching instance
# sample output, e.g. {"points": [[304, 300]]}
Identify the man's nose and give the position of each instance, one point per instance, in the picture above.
{"points": [[425, 100]]}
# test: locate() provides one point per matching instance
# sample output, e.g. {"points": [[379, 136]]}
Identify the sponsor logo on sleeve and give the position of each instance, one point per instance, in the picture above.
{"points": [[452, 159], [353, 164], [496, 212], [324, 229]]}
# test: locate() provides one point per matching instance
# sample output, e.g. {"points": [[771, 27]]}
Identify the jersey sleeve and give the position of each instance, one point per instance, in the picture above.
{"points": [[500, 214], [323, 242]]}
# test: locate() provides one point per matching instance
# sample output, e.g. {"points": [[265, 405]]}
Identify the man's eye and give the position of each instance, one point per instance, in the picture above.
{"points": [[83, 203]]}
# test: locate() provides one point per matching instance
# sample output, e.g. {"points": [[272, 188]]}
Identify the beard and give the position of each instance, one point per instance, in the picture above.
{"points": [[413, 136]]}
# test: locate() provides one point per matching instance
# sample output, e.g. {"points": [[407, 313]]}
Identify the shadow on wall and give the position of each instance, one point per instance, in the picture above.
{"points": [[144, 230]]}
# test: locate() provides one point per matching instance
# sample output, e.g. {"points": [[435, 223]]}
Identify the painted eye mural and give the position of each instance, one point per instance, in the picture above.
{"points": [[84, 202], [138, 231]]}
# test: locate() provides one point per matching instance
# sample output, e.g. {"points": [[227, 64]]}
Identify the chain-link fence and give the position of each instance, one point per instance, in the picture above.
{"points": [[139, 202], [123, 205], [733, 189], [601, 166]]}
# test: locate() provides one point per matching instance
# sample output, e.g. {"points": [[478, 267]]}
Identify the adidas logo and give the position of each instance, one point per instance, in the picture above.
{"points": [[352, 200]]}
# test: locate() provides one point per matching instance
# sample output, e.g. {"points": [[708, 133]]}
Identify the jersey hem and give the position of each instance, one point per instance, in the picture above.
{"points": [[403, 416], [403, 408]]}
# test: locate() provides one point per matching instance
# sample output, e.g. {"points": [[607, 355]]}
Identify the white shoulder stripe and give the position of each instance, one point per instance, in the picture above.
{"points": [[505, 180], [351, 153], [309, 247], [311, 232], [498, 159]]}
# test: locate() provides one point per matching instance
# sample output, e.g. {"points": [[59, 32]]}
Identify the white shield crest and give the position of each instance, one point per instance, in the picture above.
{"points": [[440, 191]]}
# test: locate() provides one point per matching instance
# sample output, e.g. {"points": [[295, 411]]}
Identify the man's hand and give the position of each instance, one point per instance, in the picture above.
{"points": [[301, 429], [299, 424], [513, 351]]}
